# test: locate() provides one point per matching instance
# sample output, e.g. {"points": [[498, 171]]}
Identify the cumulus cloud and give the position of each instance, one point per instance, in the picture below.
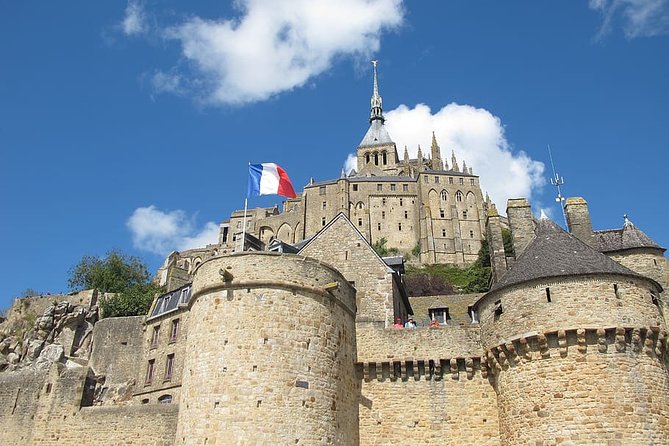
{"points": [[350, 163], [477, 137], [640, 18], [162, 232], [278, 45], [134, 22]]}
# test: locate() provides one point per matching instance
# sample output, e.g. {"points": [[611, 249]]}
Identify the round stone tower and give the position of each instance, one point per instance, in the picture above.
{"points": [[270, 354], [577, 348]]}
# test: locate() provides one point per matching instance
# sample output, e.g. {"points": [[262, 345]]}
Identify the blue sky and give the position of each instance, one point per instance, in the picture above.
{"points": [[130, 125]]}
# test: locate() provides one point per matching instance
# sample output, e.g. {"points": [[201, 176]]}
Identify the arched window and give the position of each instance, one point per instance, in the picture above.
{"points": [[458, 196], [376, 159], [165, 399], [385, 158], [444, 195], [367, 158]]}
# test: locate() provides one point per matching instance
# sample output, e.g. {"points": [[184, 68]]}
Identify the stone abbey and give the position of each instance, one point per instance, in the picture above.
{"points": [[287, 335]]}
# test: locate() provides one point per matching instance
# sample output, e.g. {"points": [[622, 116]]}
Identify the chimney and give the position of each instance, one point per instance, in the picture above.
{"points": [[578, 219], [521, 223], [495, 244]]}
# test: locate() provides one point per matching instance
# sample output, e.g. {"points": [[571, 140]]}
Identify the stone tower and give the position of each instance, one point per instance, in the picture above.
{"points": [[270, 359], [577, 348]]}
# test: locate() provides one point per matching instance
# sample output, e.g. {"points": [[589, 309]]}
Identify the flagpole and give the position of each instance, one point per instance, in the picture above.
{"points": [[246, 201]]}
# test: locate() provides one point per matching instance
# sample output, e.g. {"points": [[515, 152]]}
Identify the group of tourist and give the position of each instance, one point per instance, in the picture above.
{"points": [[410, 323]]}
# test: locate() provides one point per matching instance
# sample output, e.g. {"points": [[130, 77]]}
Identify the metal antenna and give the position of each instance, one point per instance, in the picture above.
{"points": [[557, 181]]}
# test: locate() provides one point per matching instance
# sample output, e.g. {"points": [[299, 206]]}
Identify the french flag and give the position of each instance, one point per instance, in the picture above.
{"points": [[269, 179]]}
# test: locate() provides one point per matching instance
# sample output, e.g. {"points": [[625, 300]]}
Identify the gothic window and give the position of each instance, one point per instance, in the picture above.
{"points": [[405, 188], [458, 196], [444, 195], [169, 367], [360, 205]]}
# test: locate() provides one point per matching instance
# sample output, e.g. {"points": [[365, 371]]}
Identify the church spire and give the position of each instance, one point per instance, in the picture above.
{"points": [[437, 164], [376, 101]]}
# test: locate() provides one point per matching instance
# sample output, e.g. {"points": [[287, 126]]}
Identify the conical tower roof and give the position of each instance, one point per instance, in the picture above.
{"points": [[555, 253], [628, 237]]}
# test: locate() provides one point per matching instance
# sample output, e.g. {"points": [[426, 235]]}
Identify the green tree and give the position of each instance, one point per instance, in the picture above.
{"points": [[127, 277], [380, 247]]}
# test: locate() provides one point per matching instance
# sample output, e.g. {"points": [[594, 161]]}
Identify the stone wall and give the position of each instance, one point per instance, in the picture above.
{"points": [[575, 302], [19, 399], [271, 357], [457, 304]]}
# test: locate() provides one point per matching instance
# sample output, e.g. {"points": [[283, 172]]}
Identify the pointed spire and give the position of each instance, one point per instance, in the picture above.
{"points": [[420, 154], [454, 162], [627, 222], [343, 173], [464, 167], [436, 154], [376, 112], [406, 155]]}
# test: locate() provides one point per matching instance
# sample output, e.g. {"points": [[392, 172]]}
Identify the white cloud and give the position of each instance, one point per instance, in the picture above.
{"points": [[134, 22], [640, 18], [350, 163], [477, 138], [162, 232], [167, 83], [278, 45]]}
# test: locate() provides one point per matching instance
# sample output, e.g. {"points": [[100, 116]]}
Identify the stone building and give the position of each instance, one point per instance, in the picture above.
{"points": [[419, 205], [293, 340]]}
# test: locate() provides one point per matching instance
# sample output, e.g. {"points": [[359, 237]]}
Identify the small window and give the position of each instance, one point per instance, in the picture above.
{"points": [[440, 315], [360, 222], [401, 202], [464, 215], [443, 233], [383, 201], [321, 190], [406, 214], [425, 179], [399, 226], [169, 367], [654, 262], [442, 214], [149, 372], [376, 159], [436, 180], [405, 188], [548, 295], [471, 234], [355, 188], [145, 401], [174, 330], [385, 158], [379, 187], [473, 317], [155, 336], [450, 180], [498, 309], [393, 187], [654, 299], [383, 214], [367, 158], [325, 205], [462, 181], [323, 221], [616, 290], [378, 226], [472, 181], [165, 399]]}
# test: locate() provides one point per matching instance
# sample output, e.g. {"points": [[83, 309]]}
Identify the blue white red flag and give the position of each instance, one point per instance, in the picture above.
{"points": [[269, 179]]}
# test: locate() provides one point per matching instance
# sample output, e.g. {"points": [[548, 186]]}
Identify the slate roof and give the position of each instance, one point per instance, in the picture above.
{"points": [[555, 253], [376, 135], [628, 237]]}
